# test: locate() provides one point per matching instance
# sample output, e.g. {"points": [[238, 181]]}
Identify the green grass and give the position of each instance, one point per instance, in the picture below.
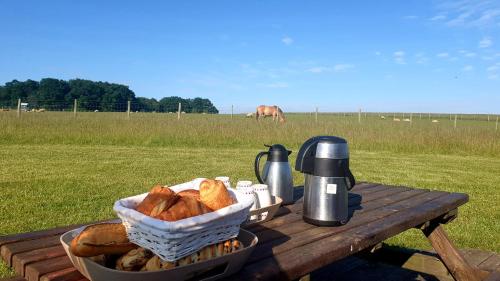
{"points": [[55, 170]]}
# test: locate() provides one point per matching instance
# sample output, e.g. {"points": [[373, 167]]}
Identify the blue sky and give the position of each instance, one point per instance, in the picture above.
{"points": [[420, 56]]}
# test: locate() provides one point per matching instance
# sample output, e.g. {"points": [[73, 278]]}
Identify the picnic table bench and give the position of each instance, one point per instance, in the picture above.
{"points": [[289, 248]]}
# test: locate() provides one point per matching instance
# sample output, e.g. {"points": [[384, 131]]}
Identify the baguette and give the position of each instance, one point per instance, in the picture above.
{"points": [[99, 239]]}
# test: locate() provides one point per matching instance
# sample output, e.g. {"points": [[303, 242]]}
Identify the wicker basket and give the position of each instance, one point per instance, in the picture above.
{"points": [[174, 240]]}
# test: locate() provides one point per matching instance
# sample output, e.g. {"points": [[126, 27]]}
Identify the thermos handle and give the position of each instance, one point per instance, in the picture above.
{"points": [[256, 166], [350, 179]]}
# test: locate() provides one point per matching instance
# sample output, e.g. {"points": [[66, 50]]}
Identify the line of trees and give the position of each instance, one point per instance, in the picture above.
{"points": [[56, 94]]}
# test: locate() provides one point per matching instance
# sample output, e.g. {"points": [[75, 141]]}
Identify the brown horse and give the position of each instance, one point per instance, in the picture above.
{"points": [[274, 111]]}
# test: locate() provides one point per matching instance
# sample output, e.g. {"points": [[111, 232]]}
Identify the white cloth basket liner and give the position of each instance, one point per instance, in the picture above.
{"points": [[174, 240]]}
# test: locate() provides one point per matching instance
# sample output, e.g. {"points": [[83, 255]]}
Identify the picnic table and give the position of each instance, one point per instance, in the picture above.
{"points": [[289, 248]]}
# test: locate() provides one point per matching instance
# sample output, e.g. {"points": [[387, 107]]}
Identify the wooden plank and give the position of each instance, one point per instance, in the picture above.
{"points": [[12, 238], [337, 268], [293, 227], [35, 270], [475, 256], [491, 264], [364, 185], [67, 274], [301, 260], [8, 250], [19, 261], [355, 200], [16, 278], [287, 243], [297, 206], [36, 234], [452, 259], [494, 276]]}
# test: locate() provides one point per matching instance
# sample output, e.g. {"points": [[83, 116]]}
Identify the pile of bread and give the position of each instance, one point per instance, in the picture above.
{"points": [[108, 244], [164, 204]]}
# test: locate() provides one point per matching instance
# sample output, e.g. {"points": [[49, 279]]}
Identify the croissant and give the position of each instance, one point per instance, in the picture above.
{"points": [[189, 192], [134, 260], [185, 207], [214, 194], [159, 199]]}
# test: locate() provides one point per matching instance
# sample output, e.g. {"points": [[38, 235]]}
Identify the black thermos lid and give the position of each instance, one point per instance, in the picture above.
{"points": [[278, 153]]}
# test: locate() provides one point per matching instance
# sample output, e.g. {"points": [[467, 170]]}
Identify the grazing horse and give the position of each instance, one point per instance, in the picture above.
{"points": [[274, 111]]}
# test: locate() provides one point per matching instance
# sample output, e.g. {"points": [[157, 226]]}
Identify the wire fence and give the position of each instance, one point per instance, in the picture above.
{"points": [[246, 111]]}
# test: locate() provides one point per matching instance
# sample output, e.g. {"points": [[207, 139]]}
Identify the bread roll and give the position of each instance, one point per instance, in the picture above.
{"points": [[207, 253], [185, 207], [159, 199], [190, 192], [98, 239], [134, 259], [214, 194]]}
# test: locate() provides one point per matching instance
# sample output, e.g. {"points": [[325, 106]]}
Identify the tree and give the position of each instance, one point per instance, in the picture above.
{"points": [[55, 94], [145, 104], [171, 104], [52, 93]]}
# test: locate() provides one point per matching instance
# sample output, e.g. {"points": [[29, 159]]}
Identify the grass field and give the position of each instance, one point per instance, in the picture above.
{"points": [[57, 170]]}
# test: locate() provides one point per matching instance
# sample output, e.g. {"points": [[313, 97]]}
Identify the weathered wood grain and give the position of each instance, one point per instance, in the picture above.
{"points": [[19, 261], [491, 264], [290, 243], [354, 200], [452, 259], [35, 270], [301, 260], [68, 274], [9, 250], [293, 228]]}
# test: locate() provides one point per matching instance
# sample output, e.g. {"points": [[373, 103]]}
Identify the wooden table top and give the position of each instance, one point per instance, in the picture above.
{"points": [[288, 247]]}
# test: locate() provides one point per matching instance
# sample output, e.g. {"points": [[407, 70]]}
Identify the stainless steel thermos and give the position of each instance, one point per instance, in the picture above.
{"points": [[324, 161], [277, 173]]}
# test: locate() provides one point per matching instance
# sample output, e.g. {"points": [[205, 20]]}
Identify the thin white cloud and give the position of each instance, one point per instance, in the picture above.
{"points": [[275, 85], [342, 67], [421, 58], [470, 13], [467, 68], [438, 18], [378, 53], [470, 54], [319, 69], [492, 68], [287, 40], [399, 57], [486, 42], [493, 76], [442, 55], [410, 17]]}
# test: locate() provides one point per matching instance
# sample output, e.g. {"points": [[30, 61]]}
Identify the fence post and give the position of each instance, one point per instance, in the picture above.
{"points": [[179, 112], [232, 111], [128, 109], [488, 118], [411, 118], [18, 108], [429, 116], [420, 115], [359, 116], [496, 125], [316, 115], [455, 124], [75, 106]]}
